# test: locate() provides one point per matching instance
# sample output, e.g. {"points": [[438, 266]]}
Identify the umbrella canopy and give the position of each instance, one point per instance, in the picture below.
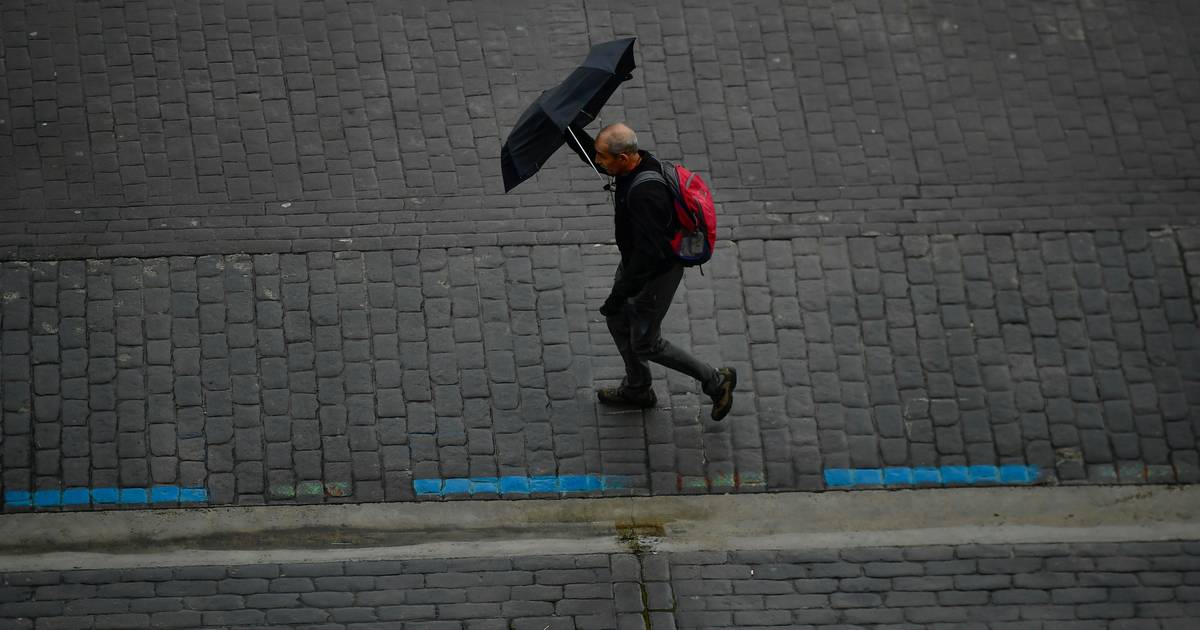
{"points": [[575, 101]]}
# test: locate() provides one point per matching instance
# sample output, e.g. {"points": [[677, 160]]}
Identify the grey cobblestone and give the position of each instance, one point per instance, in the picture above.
{"points": [[729, 590], [266, 180], [703, 591]]}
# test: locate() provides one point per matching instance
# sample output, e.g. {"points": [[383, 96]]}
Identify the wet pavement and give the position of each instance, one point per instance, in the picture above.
{"points": [[259, 252]]}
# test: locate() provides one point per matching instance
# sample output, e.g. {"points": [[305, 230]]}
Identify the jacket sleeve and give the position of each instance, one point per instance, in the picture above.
{"points": [[588, 149]]}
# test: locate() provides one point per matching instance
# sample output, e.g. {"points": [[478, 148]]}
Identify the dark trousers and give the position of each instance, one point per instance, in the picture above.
{"points": [[637, 331]]}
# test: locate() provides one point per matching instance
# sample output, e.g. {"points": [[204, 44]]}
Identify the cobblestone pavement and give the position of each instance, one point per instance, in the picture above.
{"points": [[256, 374], [1119, 586], [158, 128], [261, 247], [184, 126]]}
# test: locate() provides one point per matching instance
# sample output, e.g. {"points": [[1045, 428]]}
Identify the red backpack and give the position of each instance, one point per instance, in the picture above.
{"points": [[695, 234]]}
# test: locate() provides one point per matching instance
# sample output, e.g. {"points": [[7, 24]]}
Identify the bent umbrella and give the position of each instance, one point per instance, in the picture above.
{"points": [[576, 101]]}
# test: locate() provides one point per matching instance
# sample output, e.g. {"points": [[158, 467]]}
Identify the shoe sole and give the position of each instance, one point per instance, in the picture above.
{"points": [[629, 405], [719, 412], [621, 402]]}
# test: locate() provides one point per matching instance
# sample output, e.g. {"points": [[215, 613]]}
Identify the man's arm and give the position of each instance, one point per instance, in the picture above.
{"points": [[586, 151]]}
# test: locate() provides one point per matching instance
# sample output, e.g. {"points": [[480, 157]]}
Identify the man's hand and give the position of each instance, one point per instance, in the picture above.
{"points": [[612, 306]]}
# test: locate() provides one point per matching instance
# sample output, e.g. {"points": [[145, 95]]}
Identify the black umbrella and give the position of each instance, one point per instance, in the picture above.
{"points": [[575, 101]]}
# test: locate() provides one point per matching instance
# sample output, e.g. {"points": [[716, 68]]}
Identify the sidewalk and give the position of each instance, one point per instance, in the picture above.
{"points": [[265, 377]]}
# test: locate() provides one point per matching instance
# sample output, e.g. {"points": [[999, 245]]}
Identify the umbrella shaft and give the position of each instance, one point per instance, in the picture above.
{"points": [[584, 152]]}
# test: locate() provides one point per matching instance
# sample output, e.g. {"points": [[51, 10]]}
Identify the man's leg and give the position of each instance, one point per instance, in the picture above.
{"points": [[651, 306], [635, 388], [637, 371]]}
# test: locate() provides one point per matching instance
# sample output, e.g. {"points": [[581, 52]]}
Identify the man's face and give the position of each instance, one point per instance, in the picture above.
{"points": [[613, 164]]}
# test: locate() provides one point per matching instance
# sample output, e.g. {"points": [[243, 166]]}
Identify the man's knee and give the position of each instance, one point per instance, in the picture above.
{"points": [[647, 348]]}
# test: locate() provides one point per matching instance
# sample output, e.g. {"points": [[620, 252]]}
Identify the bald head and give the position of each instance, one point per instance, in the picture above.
{"points": [[618, 139], [617, 149]]}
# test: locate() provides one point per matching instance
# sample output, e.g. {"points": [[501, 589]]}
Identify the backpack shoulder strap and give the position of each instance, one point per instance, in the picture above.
{"points": [[647, 176]]}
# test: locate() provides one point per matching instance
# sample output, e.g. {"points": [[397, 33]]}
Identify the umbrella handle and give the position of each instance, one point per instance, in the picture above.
{"points": [[584, 152]]}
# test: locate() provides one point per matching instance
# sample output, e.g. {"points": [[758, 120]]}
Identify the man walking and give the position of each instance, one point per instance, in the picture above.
{"points": [[647, 275]]}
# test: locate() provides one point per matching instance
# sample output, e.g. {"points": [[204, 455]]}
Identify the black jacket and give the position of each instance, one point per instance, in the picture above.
{"points": [[643, 223]]}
